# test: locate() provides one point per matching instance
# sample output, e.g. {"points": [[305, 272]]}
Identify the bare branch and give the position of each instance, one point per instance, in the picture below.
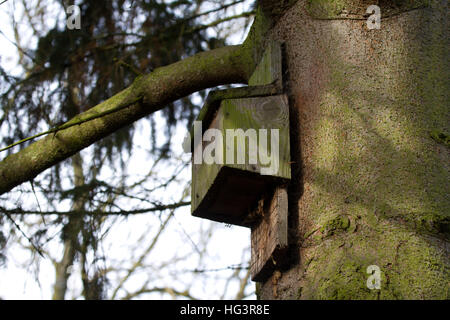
{"points": [[142, 257], [171, 291], [97, 213]]}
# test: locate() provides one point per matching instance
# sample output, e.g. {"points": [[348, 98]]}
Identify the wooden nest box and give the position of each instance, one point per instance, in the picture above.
{"points": [[241, 162], [248, 151]]}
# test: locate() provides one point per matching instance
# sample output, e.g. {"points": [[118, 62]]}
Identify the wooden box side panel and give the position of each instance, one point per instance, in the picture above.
{"points": [[204, 175]]}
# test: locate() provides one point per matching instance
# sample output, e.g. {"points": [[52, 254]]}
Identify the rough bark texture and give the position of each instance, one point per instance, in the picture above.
{"points": [[370, 182]]}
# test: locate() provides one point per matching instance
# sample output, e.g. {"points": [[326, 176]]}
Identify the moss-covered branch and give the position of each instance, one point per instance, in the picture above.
{"points": [[74, 122], [146, 95]]}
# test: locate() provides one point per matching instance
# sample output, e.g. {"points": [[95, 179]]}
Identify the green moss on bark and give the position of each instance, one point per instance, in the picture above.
{"points": [[333, 226], [376, 161], [440, 137]]}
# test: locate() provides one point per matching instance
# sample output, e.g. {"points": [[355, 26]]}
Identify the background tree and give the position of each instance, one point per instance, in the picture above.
{"points": [[79, 200]]}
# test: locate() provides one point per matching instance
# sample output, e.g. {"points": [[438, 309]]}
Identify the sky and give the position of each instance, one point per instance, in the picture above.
{"points": [[228, 246]]}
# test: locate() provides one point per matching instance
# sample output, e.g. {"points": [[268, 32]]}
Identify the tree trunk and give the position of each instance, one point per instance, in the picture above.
{"points": [[369, 125], [71, 233]]}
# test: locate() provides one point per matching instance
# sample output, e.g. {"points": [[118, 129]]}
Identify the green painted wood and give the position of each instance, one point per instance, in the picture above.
{"points": [[269, 70], [215, 98]]}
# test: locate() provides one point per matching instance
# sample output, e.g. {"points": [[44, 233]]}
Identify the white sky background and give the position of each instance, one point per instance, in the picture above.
{"points": [[225, 249]]}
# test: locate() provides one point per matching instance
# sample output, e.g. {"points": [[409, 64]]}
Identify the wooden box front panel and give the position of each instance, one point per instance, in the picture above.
{"points": [[226, 192]]}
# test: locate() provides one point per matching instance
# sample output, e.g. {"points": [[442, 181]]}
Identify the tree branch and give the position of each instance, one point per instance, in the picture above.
{"points": [[232, 64], [172, 292], [153, 91], [97, 213]]}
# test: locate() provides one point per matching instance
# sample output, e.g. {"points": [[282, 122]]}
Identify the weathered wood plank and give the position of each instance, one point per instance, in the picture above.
{"points": [[258, 114], [265, 81], [269, 70], [269, 239], [215, 98]]}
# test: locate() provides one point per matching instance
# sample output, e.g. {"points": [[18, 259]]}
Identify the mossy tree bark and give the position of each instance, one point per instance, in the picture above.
{"points": [[146, 95], [370, 183]]}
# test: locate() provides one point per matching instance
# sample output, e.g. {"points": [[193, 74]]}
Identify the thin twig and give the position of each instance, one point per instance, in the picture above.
{"points": [[98, 213], [70, 124], [38, 250]]}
